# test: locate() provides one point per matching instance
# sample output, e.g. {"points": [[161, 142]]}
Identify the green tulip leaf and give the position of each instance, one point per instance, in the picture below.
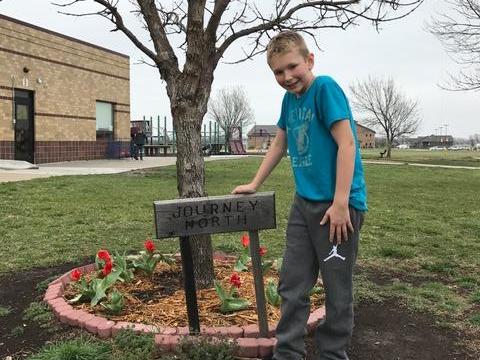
{"points": [[234, 304]]}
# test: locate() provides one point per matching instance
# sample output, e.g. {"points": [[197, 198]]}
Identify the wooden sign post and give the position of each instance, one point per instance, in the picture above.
{"points": [[212, 215]]}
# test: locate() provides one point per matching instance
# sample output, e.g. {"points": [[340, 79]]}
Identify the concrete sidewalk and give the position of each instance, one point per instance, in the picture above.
{"points": [[19, 172], [384, 162], [11, 170]]}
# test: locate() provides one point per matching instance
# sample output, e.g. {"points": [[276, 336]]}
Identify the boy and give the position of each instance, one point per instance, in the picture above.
{"points": [[316, 124]]}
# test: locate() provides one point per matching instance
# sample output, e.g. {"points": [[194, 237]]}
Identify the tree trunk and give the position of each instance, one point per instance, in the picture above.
{"points": [[228, 148], [187, 119], [189, 91], [389, 148]]}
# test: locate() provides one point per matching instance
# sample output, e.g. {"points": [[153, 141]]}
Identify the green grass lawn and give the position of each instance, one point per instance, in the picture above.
{"points": [[446, 157], [420, 242]]}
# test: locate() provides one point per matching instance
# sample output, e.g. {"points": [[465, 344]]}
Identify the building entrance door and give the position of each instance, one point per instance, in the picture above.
{"points": [[24, 128]]}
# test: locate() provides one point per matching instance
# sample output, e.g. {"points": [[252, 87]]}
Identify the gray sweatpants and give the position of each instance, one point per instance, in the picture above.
{"points": [[306, 249]]}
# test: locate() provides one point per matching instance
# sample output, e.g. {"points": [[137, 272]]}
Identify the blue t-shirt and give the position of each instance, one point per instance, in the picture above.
{"points": [[307, 119]]}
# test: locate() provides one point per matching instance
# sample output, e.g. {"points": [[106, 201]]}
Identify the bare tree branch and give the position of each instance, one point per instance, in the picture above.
{"points": [[166, 59], [110, 12], [173, 20], [231, 20], [459, 32], [297, 16], [194, 36], [218, 10], [144, 62], [275, 22]]}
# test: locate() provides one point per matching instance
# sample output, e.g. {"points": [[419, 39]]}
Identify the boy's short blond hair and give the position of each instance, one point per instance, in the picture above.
{"points": [[284, 42]]}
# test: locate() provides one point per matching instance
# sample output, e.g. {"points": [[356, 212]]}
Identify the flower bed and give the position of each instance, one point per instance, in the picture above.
{"points": [[154, 301]]}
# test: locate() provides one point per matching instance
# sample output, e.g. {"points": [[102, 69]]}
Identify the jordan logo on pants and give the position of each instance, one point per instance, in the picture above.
{"points": [[333, 253]]}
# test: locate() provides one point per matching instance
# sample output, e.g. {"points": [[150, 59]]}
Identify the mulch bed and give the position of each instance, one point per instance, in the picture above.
{"points": [[160, 300]]}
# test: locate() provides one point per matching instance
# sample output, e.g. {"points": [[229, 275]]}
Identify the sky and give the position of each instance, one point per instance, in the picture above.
{"points": [[402, 50]]}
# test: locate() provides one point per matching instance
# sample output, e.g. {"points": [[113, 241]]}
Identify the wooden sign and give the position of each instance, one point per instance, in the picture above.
{"points": [[215, 214]]}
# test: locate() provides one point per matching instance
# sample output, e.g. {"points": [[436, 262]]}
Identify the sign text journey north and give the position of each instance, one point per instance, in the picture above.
{"points": [[211, 215], [216, 214]]}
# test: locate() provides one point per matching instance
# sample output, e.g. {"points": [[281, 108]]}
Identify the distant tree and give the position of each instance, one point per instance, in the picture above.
{"points": [[474, 139], [231, 110], [459, 32], [380, 141], [384, 107], [460, 141], [186, 40]]}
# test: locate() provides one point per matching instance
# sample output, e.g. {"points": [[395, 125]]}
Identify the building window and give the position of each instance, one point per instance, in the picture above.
{"points": [[104, 117]]}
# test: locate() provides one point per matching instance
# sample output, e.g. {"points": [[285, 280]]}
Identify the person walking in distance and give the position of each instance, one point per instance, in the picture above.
{"points": [[140, 140]]}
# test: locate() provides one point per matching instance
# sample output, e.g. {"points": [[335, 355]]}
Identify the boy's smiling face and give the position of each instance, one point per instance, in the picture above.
{"points": [[292, 71]]}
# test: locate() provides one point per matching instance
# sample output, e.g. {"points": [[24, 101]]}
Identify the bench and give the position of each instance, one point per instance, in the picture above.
{"points": [[211, 149], [154, 149], [382, 153]]}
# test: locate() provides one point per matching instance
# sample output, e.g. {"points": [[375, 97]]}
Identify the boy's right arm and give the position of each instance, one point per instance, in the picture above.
{"points": [[274, 155]]}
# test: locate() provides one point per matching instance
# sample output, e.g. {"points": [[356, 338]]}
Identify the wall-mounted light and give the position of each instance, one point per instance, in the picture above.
{"points": [[25, 78]]}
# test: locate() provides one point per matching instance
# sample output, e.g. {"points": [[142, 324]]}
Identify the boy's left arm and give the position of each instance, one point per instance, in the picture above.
{"points": [[338, 214]]}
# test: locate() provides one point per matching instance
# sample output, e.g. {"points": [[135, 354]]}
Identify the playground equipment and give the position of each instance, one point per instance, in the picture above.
{"points": [[161, 141], [237, 147], [236, 142]]}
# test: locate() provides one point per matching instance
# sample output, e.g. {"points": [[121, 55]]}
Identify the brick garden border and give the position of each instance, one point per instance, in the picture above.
{"points": [[249, 345]]}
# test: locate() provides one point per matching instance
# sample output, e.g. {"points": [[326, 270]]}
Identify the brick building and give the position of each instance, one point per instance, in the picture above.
{"points": [[366, 137], [261, 136], [60, 98]]}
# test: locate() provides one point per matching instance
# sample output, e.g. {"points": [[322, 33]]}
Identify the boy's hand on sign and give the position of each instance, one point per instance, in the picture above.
{"points": [[339, 218], [245, 189]]}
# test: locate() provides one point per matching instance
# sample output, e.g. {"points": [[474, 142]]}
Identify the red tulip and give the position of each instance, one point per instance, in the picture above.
{"points": [[107, 269], [75, 275], [245, 240], [149, 245], [262, 251], [104, 255], [235, 280]]}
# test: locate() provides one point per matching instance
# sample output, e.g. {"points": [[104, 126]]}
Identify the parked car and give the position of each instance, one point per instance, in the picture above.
{"points": [[403, 146], [459, 147], [437, 148]]}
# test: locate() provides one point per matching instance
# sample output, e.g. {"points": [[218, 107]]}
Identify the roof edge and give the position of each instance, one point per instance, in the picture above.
{"points": [[51, 32], [365, 127]]}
